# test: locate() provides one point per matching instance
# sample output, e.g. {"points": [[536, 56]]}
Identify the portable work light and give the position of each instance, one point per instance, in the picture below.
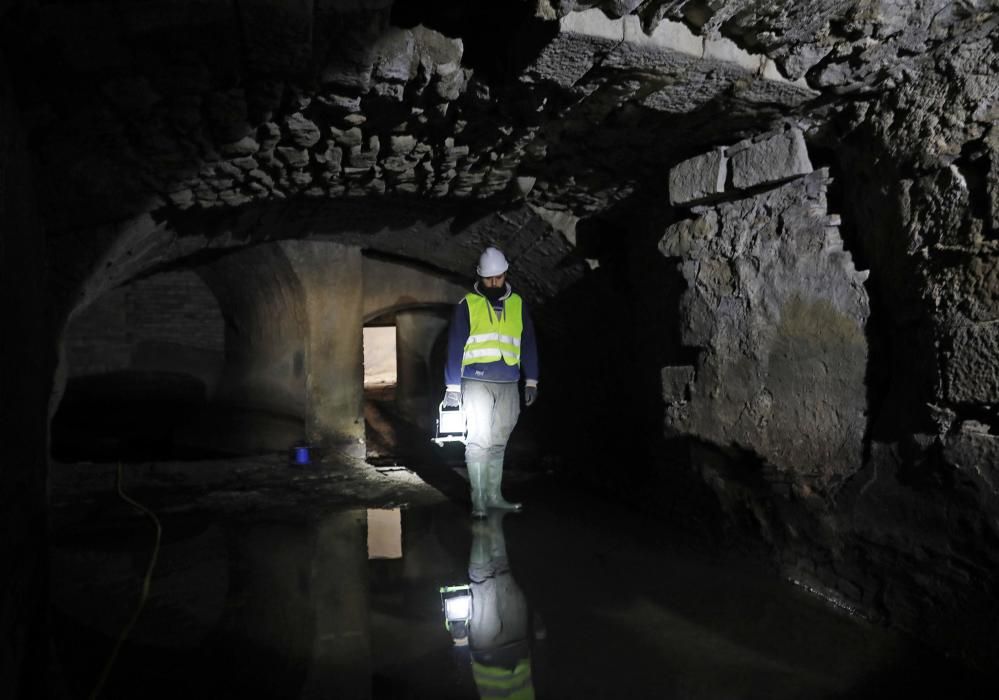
{"points": [[450, 424]]}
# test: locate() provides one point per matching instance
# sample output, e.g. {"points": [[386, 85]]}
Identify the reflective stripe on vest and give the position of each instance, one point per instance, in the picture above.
{"points": [[492, 338], [498, 682]]}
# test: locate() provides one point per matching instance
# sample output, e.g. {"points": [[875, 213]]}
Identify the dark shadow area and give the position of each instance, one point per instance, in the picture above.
{"points": [[157, 416], [862, 192], [604, 342], [127, 415]]}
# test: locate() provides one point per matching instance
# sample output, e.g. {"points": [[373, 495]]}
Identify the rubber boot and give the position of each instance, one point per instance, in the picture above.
{"points": [[477, 479], [497, 540], [478, 558], [494, 494]]}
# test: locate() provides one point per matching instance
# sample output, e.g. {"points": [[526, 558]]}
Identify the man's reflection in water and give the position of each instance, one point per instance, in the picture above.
{"points": [[499, 632]]}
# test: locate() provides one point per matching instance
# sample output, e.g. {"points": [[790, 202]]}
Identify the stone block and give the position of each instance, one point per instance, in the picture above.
{"points": [[571, 54], [303, 132], [269, 134], [246, 146], [450, 82], [779, 320], [294, 157], [973, 370], [389, 91], [434, 48], [351, 72], [349, 138], [676, 381], [976, 453], [689, 238], [402, 144], [777, 158], [698, 178], [395, 55]]}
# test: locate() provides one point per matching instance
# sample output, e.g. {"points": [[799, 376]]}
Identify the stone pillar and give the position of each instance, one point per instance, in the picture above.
{"points": [[341, 659], [27, 366], [263, 303], [332, 283], [419, 383]]}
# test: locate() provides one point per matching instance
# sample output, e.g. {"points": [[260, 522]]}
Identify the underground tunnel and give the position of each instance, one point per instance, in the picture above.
{"points": [[758, 245]]}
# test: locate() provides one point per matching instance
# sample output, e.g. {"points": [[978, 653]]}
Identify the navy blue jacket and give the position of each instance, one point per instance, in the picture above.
{"points": [[498, 370]]}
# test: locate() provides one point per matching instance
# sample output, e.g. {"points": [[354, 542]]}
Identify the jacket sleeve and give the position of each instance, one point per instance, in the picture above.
{"points": [[529, 351], [456, 338]]}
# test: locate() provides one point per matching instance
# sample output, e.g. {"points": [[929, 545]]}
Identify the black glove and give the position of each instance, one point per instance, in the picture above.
{"points": [[452, 399], [530, 395]]}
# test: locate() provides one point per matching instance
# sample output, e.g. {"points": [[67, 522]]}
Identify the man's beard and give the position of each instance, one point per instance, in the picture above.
{"points": [[493, 294]]}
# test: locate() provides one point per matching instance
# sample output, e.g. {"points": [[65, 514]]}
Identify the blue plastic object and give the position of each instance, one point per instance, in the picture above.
{"points": [[301, 455]]}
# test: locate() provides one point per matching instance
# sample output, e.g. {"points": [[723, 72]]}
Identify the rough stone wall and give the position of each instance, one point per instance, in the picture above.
{"points": [[903, 528], [931, 188], [271, 101], [922, 159], [380, 111], [140, 322], [776, 311]]}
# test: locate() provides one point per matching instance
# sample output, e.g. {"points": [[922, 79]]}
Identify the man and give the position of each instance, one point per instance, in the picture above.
{"points": [[491, 342]]}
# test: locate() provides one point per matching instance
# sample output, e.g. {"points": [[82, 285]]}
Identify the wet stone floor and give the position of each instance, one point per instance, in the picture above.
{"points": [[570, 599]]}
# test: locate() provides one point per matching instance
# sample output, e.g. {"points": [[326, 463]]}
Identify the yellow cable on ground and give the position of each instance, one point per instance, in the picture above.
{"points": [[145, 590]]}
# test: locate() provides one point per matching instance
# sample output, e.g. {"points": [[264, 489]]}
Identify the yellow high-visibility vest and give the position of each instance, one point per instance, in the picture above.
{"points": [[493, 337]]}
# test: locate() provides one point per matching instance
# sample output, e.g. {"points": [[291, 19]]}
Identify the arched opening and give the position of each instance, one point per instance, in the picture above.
{"points": [[142, 361], [400, 416]]}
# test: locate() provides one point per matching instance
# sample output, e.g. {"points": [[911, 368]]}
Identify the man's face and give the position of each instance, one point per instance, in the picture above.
{"points": [[495, 281]]}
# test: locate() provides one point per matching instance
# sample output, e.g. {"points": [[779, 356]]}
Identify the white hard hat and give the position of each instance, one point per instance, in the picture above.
{"points": [[492, 262]]}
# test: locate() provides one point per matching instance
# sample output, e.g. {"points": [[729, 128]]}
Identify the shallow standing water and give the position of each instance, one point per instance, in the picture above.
{"points": [[570, 599]]}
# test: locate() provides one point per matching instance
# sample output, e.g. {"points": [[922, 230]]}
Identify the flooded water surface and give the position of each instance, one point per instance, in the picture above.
{"points": [[561, 601]]}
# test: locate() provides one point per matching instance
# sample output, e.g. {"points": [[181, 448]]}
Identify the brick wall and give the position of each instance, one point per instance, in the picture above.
{"points": [[167, 310]]}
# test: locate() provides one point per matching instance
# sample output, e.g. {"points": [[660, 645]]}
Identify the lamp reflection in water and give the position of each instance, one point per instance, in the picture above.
{"points": [[489, 617], [457, 604]]}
